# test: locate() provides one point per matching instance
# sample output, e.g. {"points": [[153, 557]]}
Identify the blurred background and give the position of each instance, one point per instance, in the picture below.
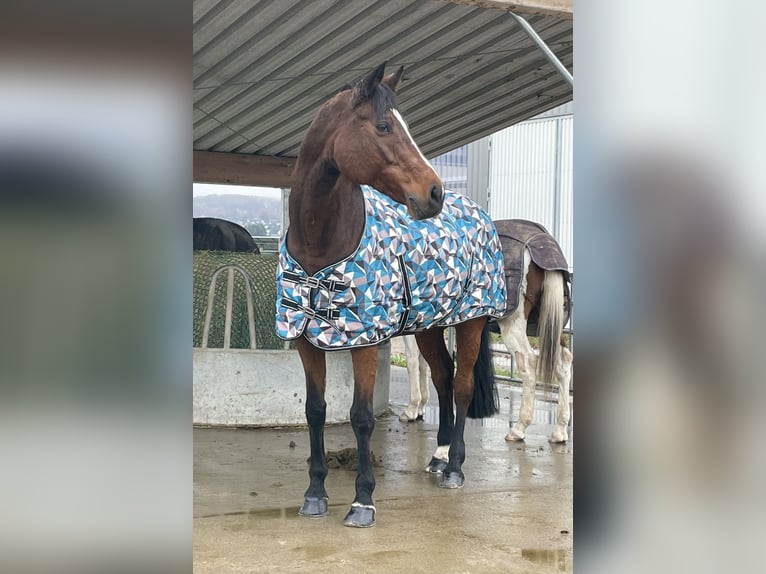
{"points": [[95, 354], [669, 238], [95, 245]]}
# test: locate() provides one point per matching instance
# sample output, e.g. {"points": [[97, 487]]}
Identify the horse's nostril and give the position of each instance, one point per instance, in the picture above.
{"points": [[436, 193]]}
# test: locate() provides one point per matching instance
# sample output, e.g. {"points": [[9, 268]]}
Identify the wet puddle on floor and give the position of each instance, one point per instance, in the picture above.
{"points": [[546, 557], [282, 513], [315, 552], [431, 416], [544, 412], [288, 512]]}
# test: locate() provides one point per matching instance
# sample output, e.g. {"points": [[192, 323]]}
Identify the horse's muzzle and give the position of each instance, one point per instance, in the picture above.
{"points": [[423, 210]]}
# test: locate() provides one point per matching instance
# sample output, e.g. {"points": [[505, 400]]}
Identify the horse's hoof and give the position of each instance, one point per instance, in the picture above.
{"points": [[515, 436], [436, 466], [360, 516], [314, 507], [559, 437], [420, 417], [452, 480], [405, 418]]}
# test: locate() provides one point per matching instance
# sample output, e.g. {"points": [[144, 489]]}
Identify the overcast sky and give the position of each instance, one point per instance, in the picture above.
{"points": [[215, 189]]}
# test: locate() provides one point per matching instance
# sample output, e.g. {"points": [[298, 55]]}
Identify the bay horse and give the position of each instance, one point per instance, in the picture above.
{"points": [[366, 258]]}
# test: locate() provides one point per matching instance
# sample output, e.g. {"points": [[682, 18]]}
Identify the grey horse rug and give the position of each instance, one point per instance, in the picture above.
{"points": [[518, 236]]}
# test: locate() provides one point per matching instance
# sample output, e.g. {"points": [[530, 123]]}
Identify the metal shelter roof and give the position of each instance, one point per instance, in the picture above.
{"points": [[263, 67]]}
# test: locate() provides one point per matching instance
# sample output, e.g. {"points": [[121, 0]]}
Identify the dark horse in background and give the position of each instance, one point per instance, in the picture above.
{"points": [[359, 138], [213, 234]]}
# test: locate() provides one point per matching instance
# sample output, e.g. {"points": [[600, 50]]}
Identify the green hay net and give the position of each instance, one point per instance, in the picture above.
{"points": [[262, 272]]}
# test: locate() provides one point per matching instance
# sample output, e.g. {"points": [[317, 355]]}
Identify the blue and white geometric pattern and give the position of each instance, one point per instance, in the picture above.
{"points": [[406, 276]]}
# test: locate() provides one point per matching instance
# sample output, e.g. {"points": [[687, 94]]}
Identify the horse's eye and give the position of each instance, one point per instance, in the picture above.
{"points": [[384, 127]]}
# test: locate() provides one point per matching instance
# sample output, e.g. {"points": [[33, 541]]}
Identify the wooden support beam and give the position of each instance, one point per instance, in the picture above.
{"points": [[559, 8], [243, 169]]}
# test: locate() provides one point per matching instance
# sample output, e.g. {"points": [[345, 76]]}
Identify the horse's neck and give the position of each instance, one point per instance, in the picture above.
{"points": [[326, 219]]}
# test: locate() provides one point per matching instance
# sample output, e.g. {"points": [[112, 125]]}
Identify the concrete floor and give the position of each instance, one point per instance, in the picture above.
{"points": [[513, 515]]}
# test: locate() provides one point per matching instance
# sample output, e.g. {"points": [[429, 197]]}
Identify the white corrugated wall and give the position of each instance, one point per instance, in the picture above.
{"points": [[530, 176], [565, 231], [452, 168]]}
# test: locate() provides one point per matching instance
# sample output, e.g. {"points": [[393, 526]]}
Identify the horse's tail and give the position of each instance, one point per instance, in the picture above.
{"points": [[485, 401], [550, 325]]}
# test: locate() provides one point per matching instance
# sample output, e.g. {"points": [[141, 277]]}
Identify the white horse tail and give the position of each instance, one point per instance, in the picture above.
{"points": [[550, 325]]}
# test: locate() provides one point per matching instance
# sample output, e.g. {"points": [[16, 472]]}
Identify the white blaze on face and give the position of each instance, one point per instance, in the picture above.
{"points": [[403, 125]]}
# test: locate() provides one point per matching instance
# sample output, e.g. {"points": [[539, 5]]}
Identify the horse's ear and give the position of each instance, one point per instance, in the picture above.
{"points": [[365, 88], [392, 80]]}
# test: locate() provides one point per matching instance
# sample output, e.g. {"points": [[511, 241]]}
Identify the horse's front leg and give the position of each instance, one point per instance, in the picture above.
{"points": [[314, 367], [365, 361]]}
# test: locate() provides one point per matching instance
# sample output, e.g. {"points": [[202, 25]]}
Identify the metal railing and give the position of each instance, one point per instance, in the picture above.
{"points": [[500, 349], [267, 243]]}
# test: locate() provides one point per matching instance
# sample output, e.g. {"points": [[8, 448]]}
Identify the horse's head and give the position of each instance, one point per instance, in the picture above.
{"points": [[372, 145]]}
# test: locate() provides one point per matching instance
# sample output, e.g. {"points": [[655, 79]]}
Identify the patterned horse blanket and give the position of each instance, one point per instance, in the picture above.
{"points": [[405, 276]]}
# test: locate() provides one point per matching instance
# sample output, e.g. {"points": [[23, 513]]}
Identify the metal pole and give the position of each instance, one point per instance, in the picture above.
{"points": [[285, 223], [544, 47]]}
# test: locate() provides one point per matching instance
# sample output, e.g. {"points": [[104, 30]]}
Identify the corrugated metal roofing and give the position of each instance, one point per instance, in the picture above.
{"points": [[263, 67]]}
